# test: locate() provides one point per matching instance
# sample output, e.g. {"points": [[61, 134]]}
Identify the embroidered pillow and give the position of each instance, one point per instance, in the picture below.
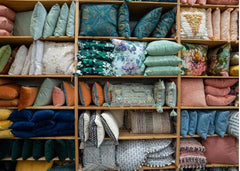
{"points": [[221, 122], [216, 91], [233, 124], [123, 21], [97, 94], [61, 25], [27, 96], [58, 97], [234, 24], [70, 30], [68, 90], [216, 20], [184, 123], [220, 83], [192, 128], [83, 124], [219, 100]]}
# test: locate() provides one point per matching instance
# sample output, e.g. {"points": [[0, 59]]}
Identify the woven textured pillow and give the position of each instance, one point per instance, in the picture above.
{"points": [[233, 124]]}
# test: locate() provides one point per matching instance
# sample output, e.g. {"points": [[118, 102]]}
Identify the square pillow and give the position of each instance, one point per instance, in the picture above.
{"points": [[27, 149], [7, 12], [22, 23], [221, 122], [192, 122], [49, 150], [216, 91], [38, 149], [147, 23], [42, 115], [225, 24], [165, 23], [216, 20], [99, 20], [70, 30], [171, 60], [233, 124], [219, 100], [191, 144], [5, 52], [61, 25], [194, 59], [23, 115], [234, 24], [51, 21], [97, 94], [5, 124], [220, 83], [204, 119], [64, 116], [22, 126], [5, 113], [37, 21], [58, 97], [107, 93], [184, 122], [9, 91], [211, 129], [129, 57], [123, 21], [83, 125], [27, 96], [68, 90], [85, 93]]}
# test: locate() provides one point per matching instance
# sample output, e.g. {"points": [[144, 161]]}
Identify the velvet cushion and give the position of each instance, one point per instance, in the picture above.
{"points": [[64, 116], [220, 83], [58, 97], [203, 123], [9, 91], [4, 33], [27, 149], [42, 115], [123, 21], [22, 126], [221, 122], [70, 30], [5, 113], [193, 119], [38, 149], [219, 100], [184, 123], [5, 52], [97, 94], [23, 134], [217, 91], [85, 93], [9, 103], [234, 70], [27, 96], [7, 12], [68, 90], [61, 26], [22, 23], [49, 150], [16, 151], [23, 115]]}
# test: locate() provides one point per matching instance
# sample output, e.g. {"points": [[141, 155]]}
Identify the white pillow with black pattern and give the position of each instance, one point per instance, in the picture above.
{"points": [[233, 124], [110, 125], [83, 124], [169, 150]]}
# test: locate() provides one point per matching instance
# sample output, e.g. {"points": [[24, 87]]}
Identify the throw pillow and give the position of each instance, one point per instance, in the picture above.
{"points": [[49, 151], [6, 24], [5, 52], [27, 149], [64, 116], [58, 97], [16, 151], [209, 23], [6, 134], [234, 24], [221, 122], [123, 21], [68, 90], [162, 60], [225, 24], [184, 123], [22, 126], [192, 122], [34, 165], [83, 124], [9, 103], [107, 93], [118, 115], [71, 20], [38, 149], [60, 147], [85, 93], [42, 115], [216, 91], [22, 23], [233, 124], [4, 81], [171, 94], [220, 83], [7, 12], [95, 45], [27, 96], [27, 63], [234, 70], [203, 123], [5, 113], [216, 19], [211, 129], [219, 100], [5, 124], [223, 2], [61, 25], [97, 94], [9, 91], [22, 115]]}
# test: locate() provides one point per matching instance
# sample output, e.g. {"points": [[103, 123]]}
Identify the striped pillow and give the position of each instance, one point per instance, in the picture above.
{"points": [[233, 124]]}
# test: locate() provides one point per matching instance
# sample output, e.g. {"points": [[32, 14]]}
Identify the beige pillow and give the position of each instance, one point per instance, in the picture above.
{"points": [[234, 24], [209, 23], [216, 18], [225, 24]]}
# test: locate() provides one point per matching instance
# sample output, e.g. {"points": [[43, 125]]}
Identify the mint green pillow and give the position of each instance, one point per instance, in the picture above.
{"points": [[163, 47], [71, 20], [37, 21], [22, 23], [60, 29], [5, 52], [162, 70], [162, 60], [51, 21]]}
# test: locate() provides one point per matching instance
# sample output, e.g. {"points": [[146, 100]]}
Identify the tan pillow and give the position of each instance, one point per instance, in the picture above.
{"points": [[216, 18], [209, 23], [219, 100], [225, 24], [234, 24]]}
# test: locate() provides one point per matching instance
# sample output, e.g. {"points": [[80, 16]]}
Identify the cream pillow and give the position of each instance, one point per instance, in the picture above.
{"points": [[26, 66], [234, 24], [32, 67], [225, 24], [216, 23]]}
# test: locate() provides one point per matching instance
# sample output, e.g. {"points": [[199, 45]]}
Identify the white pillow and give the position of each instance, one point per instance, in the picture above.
{"points": [[26, 66], [118, 116], [83, 124], [38, 57], [17, 66], [32, 66]]}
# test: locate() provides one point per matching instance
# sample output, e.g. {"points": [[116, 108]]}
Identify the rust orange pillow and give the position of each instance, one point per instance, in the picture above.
{"points": [[68, 90], [58, 97], [9, 91], [219, 100], [9, 103], [97, 94], [217, 91], [85, 93], [27, 96], [5, 81]]}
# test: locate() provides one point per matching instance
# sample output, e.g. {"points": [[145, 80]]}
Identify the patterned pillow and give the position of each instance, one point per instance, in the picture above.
{"points": [[123, 21], [95, 71], [83, 123], [159, 94], [88, 62], [129, 57], [160, 162], [147, 23], [95, 45], [191, 144], [192, 160], [233, 124], [171, 94], [99, 20]]}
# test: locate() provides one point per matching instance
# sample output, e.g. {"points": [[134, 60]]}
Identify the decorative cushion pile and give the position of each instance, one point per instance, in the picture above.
{"points": [[6, 20]]}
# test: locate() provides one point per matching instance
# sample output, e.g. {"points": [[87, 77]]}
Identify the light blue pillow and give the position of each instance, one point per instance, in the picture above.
{"points": [[51, 21], [211, 129], [60, 29], [147, 24], [203, 124], [221, 122], [71, 20], [184, 122], [192, 122], [37, 21], [123, 21]]}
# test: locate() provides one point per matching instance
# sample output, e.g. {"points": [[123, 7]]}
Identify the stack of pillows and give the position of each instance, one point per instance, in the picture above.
{"points": [[7, 17], [234, 64], [5, 123]]}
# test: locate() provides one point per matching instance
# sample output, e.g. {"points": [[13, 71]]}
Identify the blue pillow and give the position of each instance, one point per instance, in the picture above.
{"points": [[99, 20], [43, 125], [22, 126], [211, 129], [203, 124], [41, 115], [147, 24], [184, 122], [192, 122], [22, 115], [64, 116], [23, 134], [221, 122], [123, 21]]}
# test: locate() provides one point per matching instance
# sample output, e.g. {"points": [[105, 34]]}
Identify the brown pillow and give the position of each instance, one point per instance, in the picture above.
{"points": [[9, 103], [220, 83], [9, 91], [10, 61], [219, 100], [217, 91], [68, 90], [5, 81], [27, 96]]}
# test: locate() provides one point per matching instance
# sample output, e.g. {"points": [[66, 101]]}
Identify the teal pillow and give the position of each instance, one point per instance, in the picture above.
{"points": [[123, 21], [51, 21], [44, 96], [5, 148], [184, 123], [49, 151], [147, 24], [171, 60], [22, 23], [37, 21], [61, 26], [5, 52], [211, 129], [165, 24], [221, 122], [27, 149], [16, 149], [99, 20], [163, 47], [71, 20], [192, 122], [61, 149], [203, 123], [38, 149], [71, 149], [162, 70]]}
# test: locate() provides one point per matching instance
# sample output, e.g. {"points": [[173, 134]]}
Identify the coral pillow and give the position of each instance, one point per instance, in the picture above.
{"points": [[221, 150], [85, 93], [6, 24], [220, 83], [58, 97], [9, 91], [219, 100], [217, 91], [223, 2], [9, 103], [68, 90], [193, 93], [27, 96], [97, 94], [5, 81], [7, 12]]}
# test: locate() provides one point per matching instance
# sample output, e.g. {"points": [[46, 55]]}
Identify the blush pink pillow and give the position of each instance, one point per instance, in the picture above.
{"points": [[220, 83], [209, 23], [192, 2], [234, 24], [7, 12], [217, 91], [216, 19], [184, 1], [202, 2], [6, 24], [225, 24], [193, 93], [4, 33], [223, 2], [221, 150], [219, 100], [58, 97]]}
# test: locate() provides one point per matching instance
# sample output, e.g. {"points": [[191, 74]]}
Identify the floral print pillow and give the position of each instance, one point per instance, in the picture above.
{"points": [[129, 57]]}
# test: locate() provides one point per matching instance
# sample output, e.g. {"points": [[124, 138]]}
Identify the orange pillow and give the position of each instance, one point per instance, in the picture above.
{"points": [[5, 81], [9, 91], [220, 83], [27, 96], [68, 90], [85, 93], [97, 94], [219, 100], [10, 61], [9, 103], [217, 91], [58, 97]]}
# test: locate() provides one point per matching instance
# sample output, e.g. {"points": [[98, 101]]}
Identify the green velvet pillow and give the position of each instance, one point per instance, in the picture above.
{"points": [[16, 149], [71, 149], [5, 148], [49, 151], [22, 23], [38, 149], [51, 21], [61, 149], [171, 60], [60, 29], [27, 149], [44, 96], [71, 20], [123, 21], [37, 21], [162, 70], [147, 24], [5, 52]]}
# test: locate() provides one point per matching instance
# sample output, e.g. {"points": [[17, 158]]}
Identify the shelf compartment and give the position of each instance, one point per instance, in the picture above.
{"points": [[32, 159], [44, 107], [222, 165], [120, 107], [46, 138], [212, 107], [197, 136]]}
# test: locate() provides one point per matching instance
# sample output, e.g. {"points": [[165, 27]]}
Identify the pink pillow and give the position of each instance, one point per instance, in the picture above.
{"points": [[6, 24], [223, 2], [221, 150], [193, 93], [184, 1], [225, 24], [192, 2], [219, 100], [7, 12], [58, 97], [234, 24], [4, 33], [209, 23], [202, 2], [216, 18], [217, 91], [220, 83]]}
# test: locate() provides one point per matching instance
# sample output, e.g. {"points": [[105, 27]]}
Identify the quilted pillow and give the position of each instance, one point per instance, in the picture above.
{"points": [[192, 127], [85, 93], [165, 24], [123, 21], [219, 100], [204, 119], [184, 123], [147, 23], [225, 24], [209, 23], [99, 20], [162, 60], [83, 125], [223, 2], [7, 12], [5, 52], [6, 24], [217, 91], [27, 96], [97, 94], [22, 23], [58, 97], [70, 30], [129, 57], [61, 25], [9, 91], [42, 115], [221, 122], [195, 59], [68, 90], [234, 24], [233, 124], [220, 83], [216, 19]]}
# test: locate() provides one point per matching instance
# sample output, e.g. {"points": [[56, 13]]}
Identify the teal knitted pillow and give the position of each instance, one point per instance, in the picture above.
{"points": [[123, 21]]}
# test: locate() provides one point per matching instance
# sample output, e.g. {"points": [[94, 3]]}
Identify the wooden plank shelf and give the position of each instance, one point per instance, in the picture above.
{"points": [[212, 107], [121, 107], [46, 138], [44, 107], [213, 6], [125, 77], [32, 159], [218, 77], [36, 76], [197, 136], [210, 43]]}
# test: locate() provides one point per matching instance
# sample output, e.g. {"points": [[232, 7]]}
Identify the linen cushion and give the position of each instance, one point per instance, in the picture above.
{"points": [[9, 91], [27, 96], [61, 25], [85, 93], [216, 21], [5, 52], [7, 12], [68, 90], [97, 94], [22, 23], [184, 122], [192, 127], [123, 21], [216, 91], [6, 24], [220, 83], [233, 24], [225, 24], [233, 124], [83, 124], [58, 97], [203, 123], [71, 20], [219, 100], [221, 122]]}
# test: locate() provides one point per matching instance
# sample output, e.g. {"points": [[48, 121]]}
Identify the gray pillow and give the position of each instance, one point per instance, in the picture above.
{"points": [[22, 23]]}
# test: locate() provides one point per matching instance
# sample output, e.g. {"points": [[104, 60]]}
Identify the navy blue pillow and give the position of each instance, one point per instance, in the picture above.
{"points": [[23, 134], [184, 122], [221, 122], [192, 122], [22, 115], [64, 116], [44, 125], [22, 126], [211, 129], [41, 115], [203, 123]]}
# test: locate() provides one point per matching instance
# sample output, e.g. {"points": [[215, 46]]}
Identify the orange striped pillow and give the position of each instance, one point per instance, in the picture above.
{"points": [[85, 93], [97, 94]]}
